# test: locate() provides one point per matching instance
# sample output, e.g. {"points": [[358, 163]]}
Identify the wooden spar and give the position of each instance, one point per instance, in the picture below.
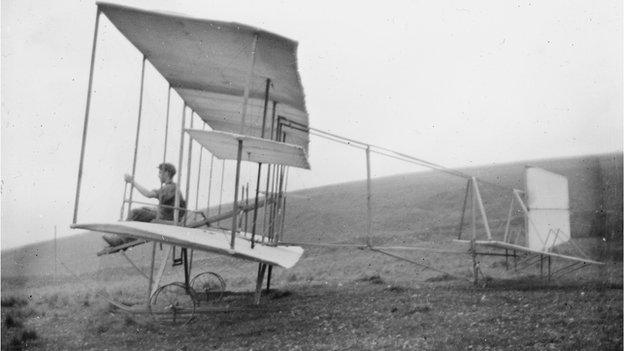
{"points": [[412, 261], [235, 203], [508, 221], [221, 216], [369, 211], [161, 269], [270, 270], [248, 85], [246, 204], [284, 205], [199, 167], [261, 270], [176, 213], [209, 185], [151, 275], [517, 196], [221, 192], [185, 260], [187, 271], [269, 167], [167, 124], [461, 221], [188, 165], [264, 115], [481, 208], [473, 247], [280, 195], [138, 130], [86, 118]]}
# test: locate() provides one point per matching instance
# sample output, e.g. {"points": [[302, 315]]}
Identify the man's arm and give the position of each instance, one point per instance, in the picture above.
{"points": [[143, 190]]}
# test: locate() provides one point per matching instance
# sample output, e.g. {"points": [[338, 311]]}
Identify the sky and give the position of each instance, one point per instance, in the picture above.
{"points": [[453, 82]]}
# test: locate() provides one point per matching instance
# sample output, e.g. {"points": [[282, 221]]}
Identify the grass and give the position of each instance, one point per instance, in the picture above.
{"points": [[16, 333]]}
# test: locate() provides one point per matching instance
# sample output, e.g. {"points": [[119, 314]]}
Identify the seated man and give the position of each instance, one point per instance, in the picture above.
{"points": [[166, 198]]}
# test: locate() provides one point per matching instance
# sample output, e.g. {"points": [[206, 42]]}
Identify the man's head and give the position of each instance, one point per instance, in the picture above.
{"points": [[166, 171]]}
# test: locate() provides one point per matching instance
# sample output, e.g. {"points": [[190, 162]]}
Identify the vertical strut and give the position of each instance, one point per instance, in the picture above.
{"points": [[151, 275], [176, 211], [221, 192], [209, 186], [86, 118], [264, 115], [167, 124], [369, 211], [235, 203], [461, 221], [481, 208], [474, 235], [199, 168], [138, 130], [188, 166]]}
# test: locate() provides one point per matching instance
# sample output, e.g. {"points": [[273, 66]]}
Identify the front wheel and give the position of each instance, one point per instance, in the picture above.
{"points": [[173, 303]]}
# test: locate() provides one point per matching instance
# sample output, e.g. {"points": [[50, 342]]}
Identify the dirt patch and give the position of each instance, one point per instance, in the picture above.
{"points": [[375, 279], [360, 316]]}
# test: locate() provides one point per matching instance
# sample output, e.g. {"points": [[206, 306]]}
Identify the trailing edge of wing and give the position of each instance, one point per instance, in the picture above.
{"points": [[225, 146]]}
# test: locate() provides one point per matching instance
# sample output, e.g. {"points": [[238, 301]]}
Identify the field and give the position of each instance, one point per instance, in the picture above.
{"points": [[337, 298]]}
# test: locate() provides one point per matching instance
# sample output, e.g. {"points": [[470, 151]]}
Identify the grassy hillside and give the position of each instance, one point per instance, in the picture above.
{"points": [[419, 208]]}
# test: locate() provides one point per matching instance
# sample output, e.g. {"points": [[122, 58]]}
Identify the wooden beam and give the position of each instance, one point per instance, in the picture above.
{"points": [[138, 130], [481, 208], [114, 249], [369, 211], [461, 221], [508, 221], [151, 274], [259, 280], [167, 124], [85, 125], [176, 213], [235, 202], [161, 269]]}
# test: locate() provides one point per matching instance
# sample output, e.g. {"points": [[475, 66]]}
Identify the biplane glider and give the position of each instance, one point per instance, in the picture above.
{"points": [[219, 70]]}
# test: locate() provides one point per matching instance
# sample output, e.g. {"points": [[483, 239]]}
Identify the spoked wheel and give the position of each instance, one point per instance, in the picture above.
{"points": [[173, 303], [208, 286]]}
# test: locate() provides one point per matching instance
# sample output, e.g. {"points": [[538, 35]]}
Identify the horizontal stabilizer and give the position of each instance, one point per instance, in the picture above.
{"points": [[503, 245]]}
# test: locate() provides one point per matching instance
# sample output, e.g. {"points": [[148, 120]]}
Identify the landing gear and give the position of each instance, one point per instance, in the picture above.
{"points": [[208, 286], [173, 303]]}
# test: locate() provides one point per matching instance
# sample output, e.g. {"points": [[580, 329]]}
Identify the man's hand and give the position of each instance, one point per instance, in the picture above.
{"points": [[145, 192]]}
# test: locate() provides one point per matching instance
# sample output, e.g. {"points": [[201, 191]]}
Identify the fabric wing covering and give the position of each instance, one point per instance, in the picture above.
{"points": [[207, 63], [211, 240], [225, 146], [548, 203]]}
